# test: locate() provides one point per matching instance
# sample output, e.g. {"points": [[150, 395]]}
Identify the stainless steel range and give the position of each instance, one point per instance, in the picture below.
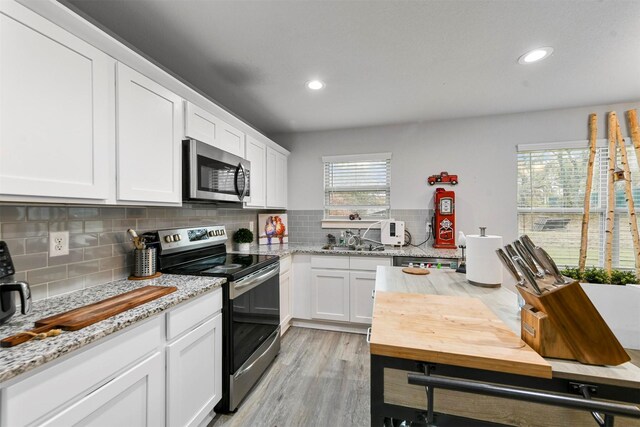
{"points": [[251, 302]]}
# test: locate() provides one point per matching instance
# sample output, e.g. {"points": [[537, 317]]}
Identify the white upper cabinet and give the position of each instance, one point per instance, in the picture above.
{"points": [[256, 153], [200, 124], [149, 130], [276, 179], [204, 126], [231, 140], [56, 110]]}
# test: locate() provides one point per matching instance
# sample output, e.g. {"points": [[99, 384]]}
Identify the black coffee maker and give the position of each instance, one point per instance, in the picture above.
{"points": [[8, 286]]}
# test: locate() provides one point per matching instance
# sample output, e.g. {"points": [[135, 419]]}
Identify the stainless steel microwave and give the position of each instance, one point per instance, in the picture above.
{"points": [[212, 174]]}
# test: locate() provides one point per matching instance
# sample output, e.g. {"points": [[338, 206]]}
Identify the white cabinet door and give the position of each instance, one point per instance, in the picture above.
{"points": [[301, 286], [204, 126], [276, 179], [135, 398], [56, 110], [361, 286], [285, 301], [256, 153], [194, 374], [200, 124], [149, 140], [231, 140], [330, 294]]}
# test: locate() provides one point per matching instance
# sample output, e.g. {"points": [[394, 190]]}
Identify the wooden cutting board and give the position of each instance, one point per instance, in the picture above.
{"points": [[89, 314], [458, 331]]}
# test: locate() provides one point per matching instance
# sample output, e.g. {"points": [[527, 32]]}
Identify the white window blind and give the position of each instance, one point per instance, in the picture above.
{"points": [[357, 183], [551, 188]]}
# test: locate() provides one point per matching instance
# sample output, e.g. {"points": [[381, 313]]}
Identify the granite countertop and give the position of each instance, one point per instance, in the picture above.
{"points": [[283, 250], [30, 355]]}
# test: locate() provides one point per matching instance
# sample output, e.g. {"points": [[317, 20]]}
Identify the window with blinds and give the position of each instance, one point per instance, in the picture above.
{"points": [[357, 184], [551, 188]]}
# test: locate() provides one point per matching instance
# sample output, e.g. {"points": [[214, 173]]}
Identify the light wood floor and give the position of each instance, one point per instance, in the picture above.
{"points": [[320, 378]]}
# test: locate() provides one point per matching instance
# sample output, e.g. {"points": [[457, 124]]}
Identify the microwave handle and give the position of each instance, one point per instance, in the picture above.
{"points": [[246, 184]]}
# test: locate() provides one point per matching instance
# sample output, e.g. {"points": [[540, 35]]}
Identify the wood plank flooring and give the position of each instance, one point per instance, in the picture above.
{"points": [[320, 378]]}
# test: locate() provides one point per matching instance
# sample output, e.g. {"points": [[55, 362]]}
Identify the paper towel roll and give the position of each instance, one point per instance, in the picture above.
{"points": [[483, 265]]}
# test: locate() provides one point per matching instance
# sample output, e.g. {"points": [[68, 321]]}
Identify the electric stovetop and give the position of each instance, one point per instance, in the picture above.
{"points": [[232, 266]]}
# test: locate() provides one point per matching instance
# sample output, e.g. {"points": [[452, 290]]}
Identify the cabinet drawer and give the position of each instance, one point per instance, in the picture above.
{"points": [[328, 261], [193, 312], [285, 264], [368, 263], [76, 377]]}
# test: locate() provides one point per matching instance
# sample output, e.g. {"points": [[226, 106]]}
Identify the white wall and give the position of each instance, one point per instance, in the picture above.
{"points": [[482, 151]]}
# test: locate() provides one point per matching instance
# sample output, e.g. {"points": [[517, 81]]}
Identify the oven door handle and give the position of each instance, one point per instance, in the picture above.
{"points": [[251, 282], [246, 369]]}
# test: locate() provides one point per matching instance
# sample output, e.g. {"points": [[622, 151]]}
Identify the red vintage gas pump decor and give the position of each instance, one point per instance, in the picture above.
{"points": [[444, 219]]}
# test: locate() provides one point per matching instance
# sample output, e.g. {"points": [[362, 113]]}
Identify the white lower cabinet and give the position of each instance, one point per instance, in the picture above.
{"points": [[285, 294], [361, 286], [339, 288], [133, 399], [194, 374], [330, 295], [121, 381]]}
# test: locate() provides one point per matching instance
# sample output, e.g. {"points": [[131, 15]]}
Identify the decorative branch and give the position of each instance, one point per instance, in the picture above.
{"points": [[584, 236], [611, 128], [633, 224]]}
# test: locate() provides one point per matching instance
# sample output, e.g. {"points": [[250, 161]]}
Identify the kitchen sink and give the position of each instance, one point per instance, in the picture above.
{"points": [[352, 248]]}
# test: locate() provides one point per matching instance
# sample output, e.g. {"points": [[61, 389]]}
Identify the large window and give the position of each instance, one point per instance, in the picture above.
{"points": [[551, 188], [357, 184]]}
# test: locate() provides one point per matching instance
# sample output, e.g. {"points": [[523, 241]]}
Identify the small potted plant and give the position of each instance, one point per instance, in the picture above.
{"points": [[243, 237]]}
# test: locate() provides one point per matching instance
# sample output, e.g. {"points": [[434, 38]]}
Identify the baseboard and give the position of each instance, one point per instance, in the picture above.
{"points": [[331, 326]]}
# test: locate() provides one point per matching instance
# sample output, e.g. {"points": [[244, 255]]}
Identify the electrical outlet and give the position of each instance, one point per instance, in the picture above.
{"points": [[58, 243], [251, 224]]}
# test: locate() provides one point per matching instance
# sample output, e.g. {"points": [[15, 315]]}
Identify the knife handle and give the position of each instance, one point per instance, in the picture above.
{"points": [[550, 265], [528, 259], [528, 274], [508, 264], [531, 248]]}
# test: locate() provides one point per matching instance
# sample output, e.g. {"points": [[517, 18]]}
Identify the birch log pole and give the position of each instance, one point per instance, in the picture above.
{"points": [[634, 130], [584, 236], [608, 248], [633, 224]]}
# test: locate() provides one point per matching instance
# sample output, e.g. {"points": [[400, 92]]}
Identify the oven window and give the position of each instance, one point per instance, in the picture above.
{"points": [[255, 315], [216, 177]]}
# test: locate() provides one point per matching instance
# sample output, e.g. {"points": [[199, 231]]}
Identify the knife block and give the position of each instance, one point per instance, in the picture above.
{"points": [[572, 327], [537, 331]]}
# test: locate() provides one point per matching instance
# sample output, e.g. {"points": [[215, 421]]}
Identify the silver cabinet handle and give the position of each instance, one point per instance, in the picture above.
{"points": [[373, 294], [368, 335]]}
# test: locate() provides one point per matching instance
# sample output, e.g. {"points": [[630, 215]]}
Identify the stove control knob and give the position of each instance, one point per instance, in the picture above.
{"points": [[176, 238], [168, 238], [212, 233]]}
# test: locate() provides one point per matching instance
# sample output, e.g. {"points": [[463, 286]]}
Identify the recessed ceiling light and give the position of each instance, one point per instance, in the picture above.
{"points": [[535, 55], [315, 84]]}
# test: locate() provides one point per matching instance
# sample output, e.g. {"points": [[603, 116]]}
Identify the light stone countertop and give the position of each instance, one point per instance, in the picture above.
{"points": [[503, 302], [32, 354], [303, 248]]}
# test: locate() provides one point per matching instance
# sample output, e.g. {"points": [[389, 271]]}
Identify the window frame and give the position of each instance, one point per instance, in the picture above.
{"points": [[344, 222], [600, 182]]}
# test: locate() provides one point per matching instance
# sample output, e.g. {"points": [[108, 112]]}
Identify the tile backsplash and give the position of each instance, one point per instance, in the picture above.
{"points": [[99, 248], [305, 226]]}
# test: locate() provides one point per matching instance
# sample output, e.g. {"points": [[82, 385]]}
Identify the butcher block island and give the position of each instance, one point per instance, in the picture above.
{"points": [[439, 330]]}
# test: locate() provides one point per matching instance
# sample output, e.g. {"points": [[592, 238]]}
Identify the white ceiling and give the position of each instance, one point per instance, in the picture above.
{"points": [[385, 61]]}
